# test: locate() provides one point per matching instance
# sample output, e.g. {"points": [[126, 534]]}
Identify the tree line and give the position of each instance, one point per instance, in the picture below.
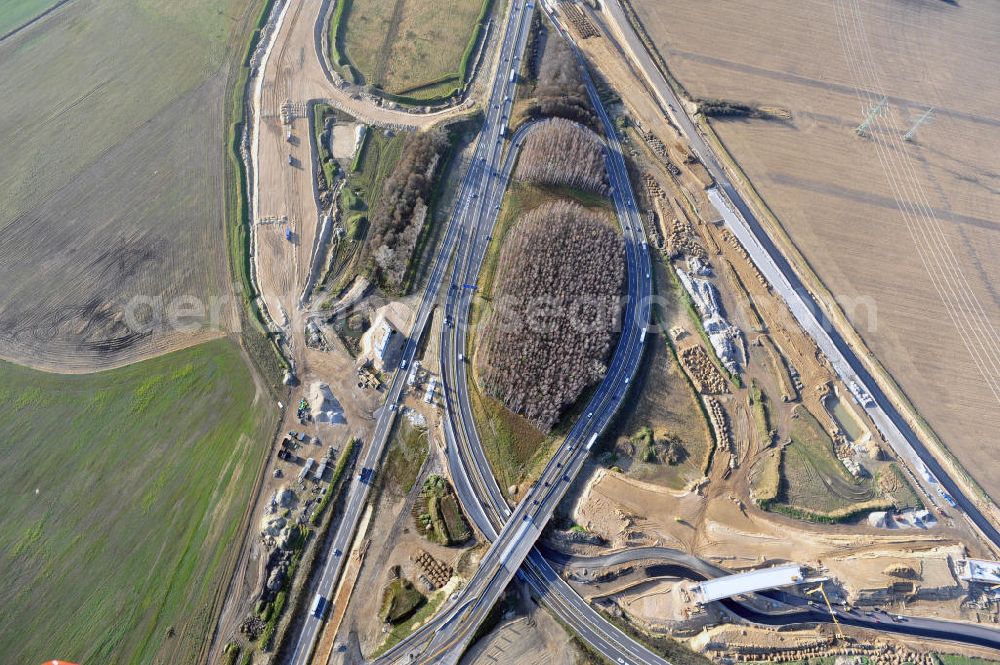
{"points": [[560, 91], [402, 210]]}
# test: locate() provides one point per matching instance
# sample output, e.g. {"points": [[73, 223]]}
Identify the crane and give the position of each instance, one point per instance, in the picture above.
{"points": [[833, 615]]}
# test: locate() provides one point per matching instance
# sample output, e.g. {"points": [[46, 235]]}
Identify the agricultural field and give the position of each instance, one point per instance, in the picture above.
{"points": [[111, 120], [415, 49], [16, 13], [121, 518], [904, 234]]}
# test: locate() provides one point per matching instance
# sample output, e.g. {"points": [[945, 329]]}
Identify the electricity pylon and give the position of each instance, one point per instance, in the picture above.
{"points": [[873, 112], [908, 136]]}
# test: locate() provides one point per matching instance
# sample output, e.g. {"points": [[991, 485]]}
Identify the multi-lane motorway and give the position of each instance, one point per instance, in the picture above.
{"points": [[514, 38], [444, 640]]}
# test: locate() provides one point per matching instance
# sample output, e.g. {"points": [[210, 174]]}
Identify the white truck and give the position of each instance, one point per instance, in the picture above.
{"points": [[318, 606]]}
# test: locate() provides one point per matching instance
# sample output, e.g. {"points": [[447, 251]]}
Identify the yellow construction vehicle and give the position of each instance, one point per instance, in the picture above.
{"points": [[833, 615]]}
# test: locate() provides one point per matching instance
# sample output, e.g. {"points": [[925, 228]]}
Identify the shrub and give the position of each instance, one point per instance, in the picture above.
{"points": [[557, 293], [399, 601]]}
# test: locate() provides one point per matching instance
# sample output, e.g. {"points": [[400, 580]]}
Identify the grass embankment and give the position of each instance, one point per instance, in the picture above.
{"points": [[399, 601], [513, 446], [398, 632], [406, 455], [126, 490], [259, 343], [372, 164], [667, 404], [412, 51], [805, 479], [321, 112], [438, 515]]}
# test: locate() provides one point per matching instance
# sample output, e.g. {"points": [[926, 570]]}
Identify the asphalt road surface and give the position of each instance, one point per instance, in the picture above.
{"points": [[788, 609], [446, 638]]}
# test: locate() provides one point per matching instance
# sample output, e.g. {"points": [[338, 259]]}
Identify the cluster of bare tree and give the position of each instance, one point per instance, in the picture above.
{"points": [[556, 304], [562, 152], [402, 209], [560, 91]]}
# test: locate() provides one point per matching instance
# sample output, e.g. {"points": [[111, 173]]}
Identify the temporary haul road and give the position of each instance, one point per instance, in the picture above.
{"points": [[790, 609], [779, 273]]}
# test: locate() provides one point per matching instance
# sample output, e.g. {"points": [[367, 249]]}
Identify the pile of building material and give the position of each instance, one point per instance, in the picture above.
{"points": [[703, 372], [325, 407], [681, 240], [720, 423], [726, 339], [435, 572]]}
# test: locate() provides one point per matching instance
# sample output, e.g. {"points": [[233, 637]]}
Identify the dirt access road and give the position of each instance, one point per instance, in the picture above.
{"points": [[293, 76]]}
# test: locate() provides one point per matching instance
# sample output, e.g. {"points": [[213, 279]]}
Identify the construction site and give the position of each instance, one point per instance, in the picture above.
{"points": [[744, 451]]}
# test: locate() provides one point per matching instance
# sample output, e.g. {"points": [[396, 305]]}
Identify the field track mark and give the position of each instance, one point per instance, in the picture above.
{"points": [[31, 22], [819, 84], [390, 37], [972, 324]]}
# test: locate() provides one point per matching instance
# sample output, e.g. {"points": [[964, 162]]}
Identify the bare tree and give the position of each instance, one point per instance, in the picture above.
{"points": [[555, 308], [398, 220], [562, 152]]}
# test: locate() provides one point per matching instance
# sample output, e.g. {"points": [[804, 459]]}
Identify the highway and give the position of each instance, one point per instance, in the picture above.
{"points": [[466, 455], [444, 639], [490, 142], [783, 278], [789, 609], [359, 491]]}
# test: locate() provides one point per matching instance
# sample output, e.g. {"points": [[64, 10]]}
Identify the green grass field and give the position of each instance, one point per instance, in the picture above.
{"points": [[812, 476], [407, 452], [15, 13], [123, 496], [413, 48]]}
